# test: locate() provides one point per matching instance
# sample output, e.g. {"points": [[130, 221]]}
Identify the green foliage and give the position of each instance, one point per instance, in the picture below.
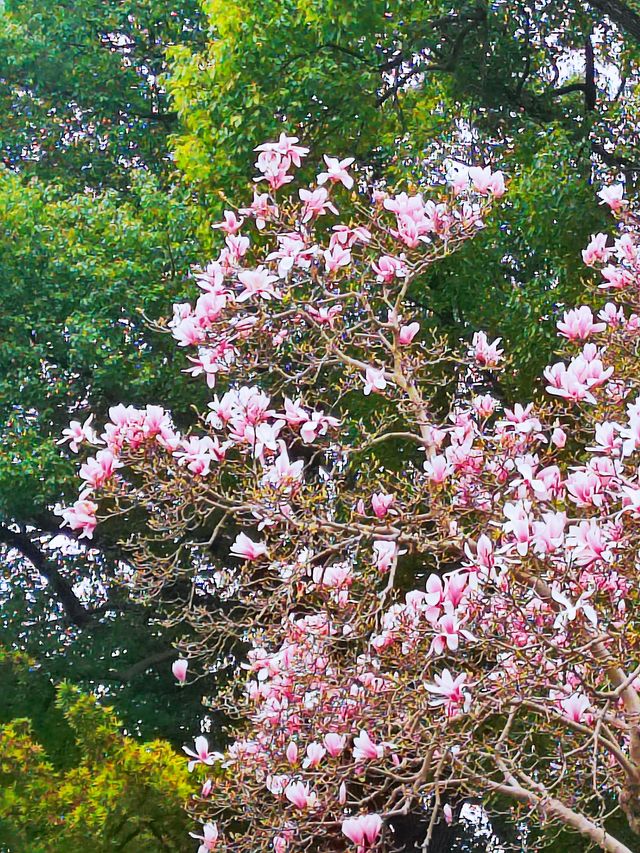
{"points": [[76, 273], [79, 96], [94, 238], [117, 794]]}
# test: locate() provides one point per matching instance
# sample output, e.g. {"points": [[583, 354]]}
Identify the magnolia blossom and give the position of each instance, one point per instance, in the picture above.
{"points": [[450, 692], [316, 202], [179, 670], [334, 744], [374, 380], [247, 549], [365, 749], [80, 516], [385, 553], [209, 837], [381, 503], [485, 181], [202, 754], [363, 830], [612, 196], [387, 268], [485, 353], [596, 250], [257, 282], [408, 333], [299, 794], [231, 223], [77, 434], [314, 755], [337, 171], [574, 707], [578, 324]]}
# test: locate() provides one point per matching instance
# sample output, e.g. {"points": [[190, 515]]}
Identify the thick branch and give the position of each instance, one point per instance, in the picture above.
{"points": [[59, 585], [142, 665], [551, 806]]}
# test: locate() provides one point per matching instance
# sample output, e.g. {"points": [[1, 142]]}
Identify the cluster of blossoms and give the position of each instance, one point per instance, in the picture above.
{"points": [[452, 619]]}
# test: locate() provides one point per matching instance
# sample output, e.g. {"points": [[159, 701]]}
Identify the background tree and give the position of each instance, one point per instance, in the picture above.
{"points": [[100, 787], [90, 221]]}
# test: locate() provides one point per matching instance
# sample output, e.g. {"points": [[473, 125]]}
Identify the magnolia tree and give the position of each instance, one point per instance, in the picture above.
{"points": [[435, 593]]}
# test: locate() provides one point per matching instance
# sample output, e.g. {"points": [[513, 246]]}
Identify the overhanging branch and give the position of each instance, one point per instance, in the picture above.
{"points": [[75, 611]]}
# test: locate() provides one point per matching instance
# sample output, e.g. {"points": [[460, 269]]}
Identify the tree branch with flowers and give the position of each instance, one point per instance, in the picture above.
{"points": [[435, 592]]}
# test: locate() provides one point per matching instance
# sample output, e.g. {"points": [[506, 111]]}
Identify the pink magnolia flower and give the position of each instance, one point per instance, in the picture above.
{"points": [[77, 433], [287, 147], [99, 468], [450, 692], [261, 209], [449, 630], [316, 202], [280, 844], [80, 516], [612, 196], [292, 753], [486, 182], [437, 469], [258, 282], [189, 332], [387, 268], [365, 749], [381, 503], [316, 425], [274, 167], [596, 250], [334, 743], [231, 223], [486, 354], [325, 315], [237, 247], [575, 707], [202, 754], [578, 324], [198, 452], [247, 549], [346, 237], [408, 333], [209, 837], [615, 278], [207, 363], [484, 405], [179, 670], [314, 755], [548, 534], [211, 278], [337, 171], [335, 576], [336, 258], [374, 380], [571, 610], [518, 524], [300, 795], [559, 437], [363, 830], [284, 473], [385, 553]]}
